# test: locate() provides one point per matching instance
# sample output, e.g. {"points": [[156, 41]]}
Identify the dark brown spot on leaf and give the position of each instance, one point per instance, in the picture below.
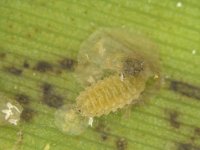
{"points": [[121, 144], [2, 55], [53, 100], [173, 118], [43, 66], [50, 98], [184, 146], [100, 126], [58, 71], [197, 131], [27, 114], [196, 134], [26, 64], [68, 64], [185, 89], [23, 99], [47, 88], [104, 136], [187, 146], [14, 70], [102, 129]]}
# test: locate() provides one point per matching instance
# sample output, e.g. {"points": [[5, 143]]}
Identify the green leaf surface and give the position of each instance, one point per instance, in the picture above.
{"points": [[41, 30]]}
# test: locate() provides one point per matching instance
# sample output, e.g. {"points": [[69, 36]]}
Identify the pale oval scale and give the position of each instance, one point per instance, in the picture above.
{"points": [[69, 121]]}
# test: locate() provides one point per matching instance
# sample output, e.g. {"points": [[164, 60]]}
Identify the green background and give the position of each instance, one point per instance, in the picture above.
{"points": [[51, 30]]}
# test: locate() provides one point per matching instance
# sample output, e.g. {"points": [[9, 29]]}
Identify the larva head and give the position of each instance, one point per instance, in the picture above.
{"points": [[69, 121]]}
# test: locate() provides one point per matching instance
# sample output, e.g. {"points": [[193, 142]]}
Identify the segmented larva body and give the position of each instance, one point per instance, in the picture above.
{"points": [[109, 94]]}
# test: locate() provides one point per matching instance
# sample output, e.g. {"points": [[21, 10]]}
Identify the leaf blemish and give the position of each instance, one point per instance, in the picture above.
{"points": [[22, 98], [185, 89], [47, 88], [43, 66], [68, 64], [27, 114], [173, 118], [196, 134], [197, 131], [13, 70], [104, 136], [187, 146], [121, 144], [102, 129], [2, 55], [26, 64], [51, 98]]}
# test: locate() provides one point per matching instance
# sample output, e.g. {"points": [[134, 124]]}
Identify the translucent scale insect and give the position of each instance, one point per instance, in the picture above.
{"points": [[115, 67], [69, 121], [112, 51]]}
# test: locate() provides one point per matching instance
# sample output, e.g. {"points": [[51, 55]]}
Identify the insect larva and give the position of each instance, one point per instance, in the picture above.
{"points": [[109, 94], [116, 67]]}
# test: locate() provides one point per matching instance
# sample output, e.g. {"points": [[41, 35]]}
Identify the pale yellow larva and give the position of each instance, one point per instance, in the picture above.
{"points": [[109, 94]]}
